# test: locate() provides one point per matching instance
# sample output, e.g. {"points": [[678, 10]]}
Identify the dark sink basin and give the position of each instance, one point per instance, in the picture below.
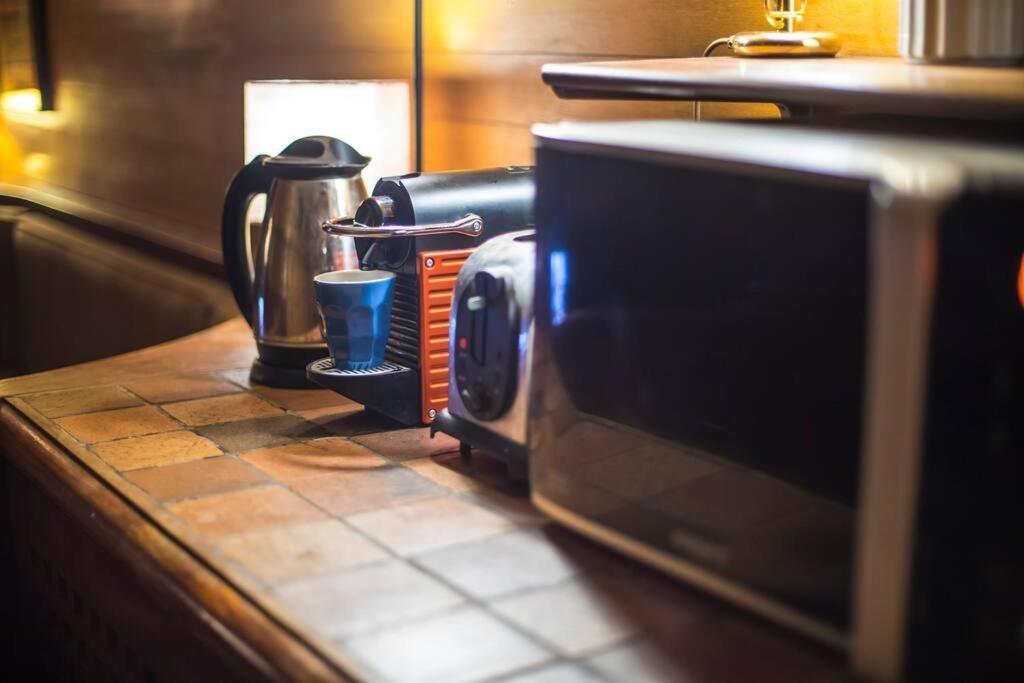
{"points": [[68, 295]]}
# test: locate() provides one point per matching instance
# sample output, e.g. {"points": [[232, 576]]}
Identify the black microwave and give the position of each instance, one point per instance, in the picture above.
{"points": [[788, 366]]}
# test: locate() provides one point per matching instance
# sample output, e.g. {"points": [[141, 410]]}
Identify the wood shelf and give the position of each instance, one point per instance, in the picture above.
{"points": [[869, 85]]}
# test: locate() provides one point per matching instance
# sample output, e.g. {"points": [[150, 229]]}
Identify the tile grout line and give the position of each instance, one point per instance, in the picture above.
{"points": [[485, 607], [28, 395], [160, 411], [391, 555], [287, 486], [394, 555], [265, 479], [213, 564], [553, 655], [516, 522], [158, 406]]}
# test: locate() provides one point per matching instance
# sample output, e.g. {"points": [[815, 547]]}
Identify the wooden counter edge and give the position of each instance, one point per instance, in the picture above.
{"points": [[224, 346], [172, 571]]}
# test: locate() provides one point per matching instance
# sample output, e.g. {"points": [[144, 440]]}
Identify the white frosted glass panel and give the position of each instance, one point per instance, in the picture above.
{"points": [[372, 116]]}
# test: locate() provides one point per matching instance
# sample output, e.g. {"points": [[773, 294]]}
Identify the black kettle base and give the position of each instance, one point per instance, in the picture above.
{"points": [[279, 376]]}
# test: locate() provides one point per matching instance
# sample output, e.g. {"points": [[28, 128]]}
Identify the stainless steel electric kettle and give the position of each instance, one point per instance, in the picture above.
{"points": [[312, 180]]}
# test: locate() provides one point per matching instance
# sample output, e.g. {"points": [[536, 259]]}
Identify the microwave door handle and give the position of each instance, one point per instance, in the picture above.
{"points": [[470, 224]]}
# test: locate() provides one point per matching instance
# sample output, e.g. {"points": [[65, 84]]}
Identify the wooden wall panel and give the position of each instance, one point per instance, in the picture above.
{"points": [[483, 61], [637, 28], [149, 94]]}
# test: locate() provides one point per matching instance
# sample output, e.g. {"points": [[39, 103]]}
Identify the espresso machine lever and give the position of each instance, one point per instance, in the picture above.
{"points": [[471, 225]]}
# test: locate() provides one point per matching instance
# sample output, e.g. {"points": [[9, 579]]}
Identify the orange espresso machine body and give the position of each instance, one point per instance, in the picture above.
{"points": [[423, 227]]}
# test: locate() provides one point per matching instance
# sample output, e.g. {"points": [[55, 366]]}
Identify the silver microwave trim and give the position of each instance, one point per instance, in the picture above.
{"points": [[905, 215], [780, 151]]}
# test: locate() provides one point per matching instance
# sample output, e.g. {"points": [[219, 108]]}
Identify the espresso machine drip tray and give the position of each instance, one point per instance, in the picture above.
{"points": [[325, 367], [386, 388]]}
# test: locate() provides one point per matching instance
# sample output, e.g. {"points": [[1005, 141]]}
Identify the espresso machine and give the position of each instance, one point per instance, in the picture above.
{"points": [[423, 227]]}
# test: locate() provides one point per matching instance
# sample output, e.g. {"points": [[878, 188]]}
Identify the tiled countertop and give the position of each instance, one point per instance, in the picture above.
{"points": [[387, 554]]}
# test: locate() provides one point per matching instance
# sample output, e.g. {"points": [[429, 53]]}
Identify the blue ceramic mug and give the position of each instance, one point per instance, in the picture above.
{"points": [[356, 309]]}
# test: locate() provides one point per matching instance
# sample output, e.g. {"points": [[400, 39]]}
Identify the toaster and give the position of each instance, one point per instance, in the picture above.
{"points": [[423, 227], [490, 350]]}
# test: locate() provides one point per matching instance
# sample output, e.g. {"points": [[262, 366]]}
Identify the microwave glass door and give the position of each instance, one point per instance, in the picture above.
{"points": [[699, 361]]}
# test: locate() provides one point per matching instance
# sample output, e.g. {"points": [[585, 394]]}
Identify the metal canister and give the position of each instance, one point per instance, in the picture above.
{"points": [[962, 31]]}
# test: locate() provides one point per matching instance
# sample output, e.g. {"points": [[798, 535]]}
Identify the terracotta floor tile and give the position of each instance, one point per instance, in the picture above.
{"points": [[502, 564], [54, 404], [355, 491], [247, 435], [246, 510], [430, 524], [155, 450], [195, 479], [574, 618], [304, 399], [323, 456], [406, 444], [301, 551], [561, 673], [349, 420], [181, 387], [458, 647], [230, 408], [358, 600], [116, 424], [439, 474]]}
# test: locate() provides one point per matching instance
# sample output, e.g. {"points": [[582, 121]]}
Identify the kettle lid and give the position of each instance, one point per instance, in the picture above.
{"points": [[317, 156]]}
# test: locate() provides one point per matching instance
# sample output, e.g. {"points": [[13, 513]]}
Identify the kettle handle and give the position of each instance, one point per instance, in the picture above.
{"points": [[252, 179]]}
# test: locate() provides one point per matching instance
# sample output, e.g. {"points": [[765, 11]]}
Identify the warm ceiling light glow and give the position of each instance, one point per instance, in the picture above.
{"points": [[36, 164], [372, 116], [27, 100], [458, 27]]}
